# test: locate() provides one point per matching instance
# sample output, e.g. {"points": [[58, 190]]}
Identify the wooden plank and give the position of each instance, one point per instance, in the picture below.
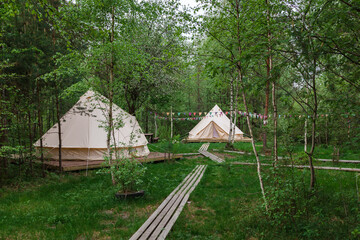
{"points": [[138, 233], [204, 147], [180, 208], [280, 157], [169, 206], [340, 161], [303, 166], [244, 153], [190, 154], [166, 215], [212, 156], [147, 223]]}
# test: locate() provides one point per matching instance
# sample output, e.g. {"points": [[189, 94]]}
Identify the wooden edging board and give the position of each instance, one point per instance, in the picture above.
{"points": [[340, 161], [303, 166], [280, 157]]}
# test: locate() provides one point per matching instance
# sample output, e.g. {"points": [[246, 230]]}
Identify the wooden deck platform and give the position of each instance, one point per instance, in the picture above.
{"points": [[216, 140], [161, 221], [69, 165]]}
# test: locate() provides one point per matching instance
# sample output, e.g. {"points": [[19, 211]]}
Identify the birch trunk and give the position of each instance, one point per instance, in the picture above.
{"points": [[236, 109], [275, 115], [266, 110], [59, 125], [305, 130], [253, 144], [240, 76], [231, 110], [155, 124], [111, 94], [171, 123], [268, 72]]}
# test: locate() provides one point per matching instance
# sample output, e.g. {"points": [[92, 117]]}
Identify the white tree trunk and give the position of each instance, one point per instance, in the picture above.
{"points": [[253, 143], [155, 125], [305, 127], [111, 93], [236, 109], [231, 109], [171, 115]]}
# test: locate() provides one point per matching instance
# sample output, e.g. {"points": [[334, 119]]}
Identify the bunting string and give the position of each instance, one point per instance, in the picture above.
{"points": [[182, 116]]}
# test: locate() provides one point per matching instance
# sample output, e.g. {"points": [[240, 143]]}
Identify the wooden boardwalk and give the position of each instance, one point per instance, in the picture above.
{"points": [[70, 165], [161, 221], [203, 151], [303, 166], [280, 157], [204, 147]]}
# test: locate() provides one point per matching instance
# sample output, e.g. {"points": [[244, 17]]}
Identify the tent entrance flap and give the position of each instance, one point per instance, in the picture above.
{"points": [[215, 133], [212, 130]]}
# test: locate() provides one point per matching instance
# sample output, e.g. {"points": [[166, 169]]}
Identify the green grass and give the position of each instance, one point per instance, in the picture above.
{"points": [[175, 148], [84, 206], [194, 147], [321, 151], [226, 204], [223, 206]]}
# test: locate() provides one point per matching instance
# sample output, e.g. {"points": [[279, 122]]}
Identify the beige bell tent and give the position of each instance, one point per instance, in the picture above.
{"points": [[84, 134], [214, 127]]}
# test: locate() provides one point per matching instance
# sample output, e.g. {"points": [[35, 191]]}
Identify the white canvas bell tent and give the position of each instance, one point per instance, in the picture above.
{"points": [[84, 134], [214, 127]]}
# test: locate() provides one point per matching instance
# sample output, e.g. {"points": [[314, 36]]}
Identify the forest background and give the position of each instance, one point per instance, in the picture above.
{"points": [[292, 66]]}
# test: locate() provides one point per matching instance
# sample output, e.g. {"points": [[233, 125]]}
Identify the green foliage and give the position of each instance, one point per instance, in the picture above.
{"points": [[288, 197], [307, 215], [301, 159], [128, 173], [8, 151]]}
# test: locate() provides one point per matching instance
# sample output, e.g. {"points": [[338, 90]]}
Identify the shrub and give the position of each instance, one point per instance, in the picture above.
{"points": [[128, 174]]}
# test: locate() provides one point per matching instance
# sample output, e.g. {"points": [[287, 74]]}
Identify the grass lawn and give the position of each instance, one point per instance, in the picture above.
{"points": [[226, 204], [76, 206], [321, 151]]}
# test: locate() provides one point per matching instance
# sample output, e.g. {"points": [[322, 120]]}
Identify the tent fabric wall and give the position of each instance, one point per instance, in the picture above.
{"points": [[215, 127], [84, 132]]}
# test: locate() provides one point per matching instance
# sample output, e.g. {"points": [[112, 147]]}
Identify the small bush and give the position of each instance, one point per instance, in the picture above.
{"points": [[128, 173]]}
